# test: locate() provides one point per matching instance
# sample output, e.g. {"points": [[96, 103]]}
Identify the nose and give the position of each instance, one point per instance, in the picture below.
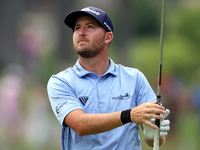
{"points": [[82, 31]]}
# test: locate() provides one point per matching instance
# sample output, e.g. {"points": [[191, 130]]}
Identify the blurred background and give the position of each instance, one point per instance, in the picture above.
{"points": [[35, 43]]}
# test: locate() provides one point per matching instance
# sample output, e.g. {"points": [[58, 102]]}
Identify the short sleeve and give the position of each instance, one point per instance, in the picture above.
{"points": [[62, 98], [144, 91]]}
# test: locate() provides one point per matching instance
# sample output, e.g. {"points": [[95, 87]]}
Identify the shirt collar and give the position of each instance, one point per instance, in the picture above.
{"points": [[80, 71]]}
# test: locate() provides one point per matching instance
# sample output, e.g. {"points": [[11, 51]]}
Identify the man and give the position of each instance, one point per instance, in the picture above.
{"points": [[98, 103]]}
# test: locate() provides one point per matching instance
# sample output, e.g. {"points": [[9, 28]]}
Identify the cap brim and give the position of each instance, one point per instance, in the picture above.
{"points": [[72, 17]]}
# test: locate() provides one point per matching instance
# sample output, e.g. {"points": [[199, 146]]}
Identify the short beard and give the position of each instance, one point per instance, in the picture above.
{"points": [[88, 53]]}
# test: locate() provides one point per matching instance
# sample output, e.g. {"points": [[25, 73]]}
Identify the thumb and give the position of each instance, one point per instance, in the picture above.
{"points": [[167, 112]]}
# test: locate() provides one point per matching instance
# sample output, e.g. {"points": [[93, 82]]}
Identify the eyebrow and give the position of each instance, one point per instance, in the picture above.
{"points": [[86, 24]]}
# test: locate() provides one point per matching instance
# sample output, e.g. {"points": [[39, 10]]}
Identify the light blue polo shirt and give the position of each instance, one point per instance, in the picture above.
{"points": [[120, 88]]}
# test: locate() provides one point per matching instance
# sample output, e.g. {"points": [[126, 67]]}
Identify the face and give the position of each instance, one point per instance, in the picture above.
{"points": [[88, 37]]}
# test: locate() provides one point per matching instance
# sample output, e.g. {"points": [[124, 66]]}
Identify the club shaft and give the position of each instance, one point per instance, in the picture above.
{"points": [[157, 132], [161, 50]]}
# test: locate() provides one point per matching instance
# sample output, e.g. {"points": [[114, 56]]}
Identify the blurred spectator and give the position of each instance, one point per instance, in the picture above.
{"points": [[195, 97], [175, 96], [11, 87], [37, 125], [37, 38]]}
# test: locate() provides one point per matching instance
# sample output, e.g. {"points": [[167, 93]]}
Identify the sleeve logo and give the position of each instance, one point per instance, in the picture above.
{"points": [[59, 106]]}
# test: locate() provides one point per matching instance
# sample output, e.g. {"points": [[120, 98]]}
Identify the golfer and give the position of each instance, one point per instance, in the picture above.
{"points": [[99, 104]]}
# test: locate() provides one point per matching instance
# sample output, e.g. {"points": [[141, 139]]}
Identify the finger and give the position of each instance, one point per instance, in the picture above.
{"points": [[151, 125], [154, 115], [154, 105], [163, 133], [164, 128], [165, 123], [154, 111], [154, 102], [151, 117]]}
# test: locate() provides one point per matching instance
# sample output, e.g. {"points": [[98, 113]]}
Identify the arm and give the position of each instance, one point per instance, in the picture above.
{"points": [[85, 124]]}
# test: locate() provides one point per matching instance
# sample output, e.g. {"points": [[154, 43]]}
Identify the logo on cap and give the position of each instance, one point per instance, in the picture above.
{"points": [[91, 10], [107, 26]]}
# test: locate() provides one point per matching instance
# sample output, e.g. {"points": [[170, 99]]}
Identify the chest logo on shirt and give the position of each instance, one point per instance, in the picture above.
{"points": [[122, 97], [83, 99]]}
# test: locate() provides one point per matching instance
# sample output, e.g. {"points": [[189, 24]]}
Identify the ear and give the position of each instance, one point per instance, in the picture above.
{"points": [[108, 37]]}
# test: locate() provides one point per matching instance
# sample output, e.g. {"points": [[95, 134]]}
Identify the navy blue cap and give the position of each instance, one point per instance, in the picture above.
{"points": [[94, 12]]}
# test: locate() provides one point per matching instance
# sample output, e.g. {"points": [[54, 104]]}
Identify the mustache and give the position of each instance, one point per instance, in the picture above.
{"points": [[82, 39]]}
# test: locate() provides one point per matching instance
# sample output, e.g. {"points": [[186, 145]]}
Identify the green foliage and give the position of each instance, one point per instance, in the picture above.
{"points": [[145, 56], [180, 50], [185, 22], [146, 15]]}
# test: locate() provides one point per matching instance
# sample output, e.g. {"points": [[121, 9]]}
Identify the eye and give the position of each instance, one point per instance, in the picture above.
{"points": [[76, 28], [90, 26]]}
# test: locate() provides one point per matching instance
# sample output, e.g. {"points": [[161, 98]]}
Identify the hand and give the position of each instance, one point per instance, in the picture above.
{"points": [[164, 127], [143, 113]]}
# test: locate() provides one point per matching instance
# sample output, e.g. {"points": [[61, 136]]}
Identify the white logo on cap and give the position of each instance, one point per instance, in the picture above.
{"points": [[107, 26], [91, 10]]}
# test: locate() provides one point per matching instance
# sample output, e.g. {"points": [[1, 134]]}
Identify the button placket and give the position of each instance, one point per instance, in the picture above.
{"points": [[101, 92]]}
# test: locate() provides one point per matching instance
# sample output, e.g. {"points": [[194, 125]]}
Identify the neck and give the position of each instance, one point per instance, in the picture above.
{"points": [[98, 64]]}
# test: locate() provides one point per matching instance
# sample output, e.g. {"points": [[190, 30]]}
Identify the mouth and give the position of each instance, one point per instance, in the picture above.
{"points": [[82, 40]]}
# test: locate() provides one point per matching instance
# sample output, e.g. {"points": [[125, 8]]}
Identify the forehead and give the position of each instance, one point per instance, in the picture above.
{"points": [[86, 19]]}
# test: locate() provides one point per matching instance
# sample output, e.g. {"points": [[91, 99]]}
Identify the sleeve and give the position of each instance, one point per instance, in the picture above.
{"points": [[144, 91], [62, 98]]}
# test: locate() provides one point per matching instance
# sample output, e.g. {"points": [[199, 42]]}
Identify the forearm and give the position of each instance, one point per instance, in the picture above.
{"points": [[86, 124]]}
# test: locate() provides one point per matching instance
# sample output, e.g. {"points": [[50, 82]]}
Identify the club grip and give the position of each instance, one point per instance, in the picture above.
{"points": [[157, 122]]}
